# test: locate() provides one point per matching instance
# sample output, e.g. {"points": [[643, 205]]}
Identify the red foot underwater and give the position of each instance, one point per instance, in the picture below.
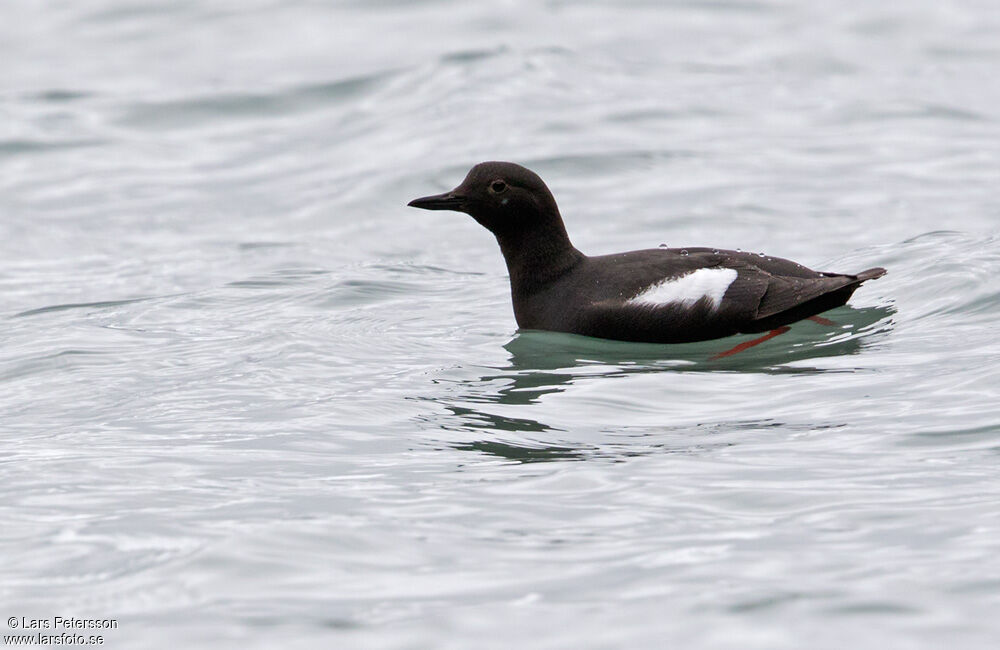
{"points": [[746, 345]]}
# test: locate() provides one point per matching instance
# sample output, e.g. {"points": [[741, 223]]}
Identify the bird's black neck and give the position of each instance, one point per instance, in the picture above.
{"points": [[538, 255]]}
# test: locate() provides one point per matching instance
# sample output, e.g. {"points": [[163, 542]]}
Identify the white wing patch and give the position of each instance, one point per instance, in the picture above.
{"points": [[688, 289]]}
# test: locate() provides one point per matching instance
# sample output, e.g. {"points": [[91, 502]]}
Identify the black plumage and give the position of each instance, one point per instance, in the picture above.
{"points": [[556, 287]]}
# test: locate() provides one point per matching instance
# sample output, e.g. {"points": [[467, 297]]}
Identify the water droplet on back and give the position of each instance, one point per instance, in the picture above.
{"points": [[684, 251], [663, 245]]}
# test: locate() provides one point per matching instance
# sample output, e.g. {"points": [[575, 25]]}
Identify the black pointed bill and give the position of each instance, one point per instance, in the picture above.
{"points": [[446, 201]]}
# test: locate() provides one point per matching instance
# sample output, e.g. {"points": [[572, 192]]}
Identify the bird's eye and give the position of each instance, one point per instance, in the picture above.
{"points": [[498, 186]]}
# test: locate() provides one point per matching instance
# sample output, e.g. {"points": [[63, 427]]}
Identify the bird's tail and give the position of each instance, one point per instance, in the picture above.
{"points": [[870, 274]]}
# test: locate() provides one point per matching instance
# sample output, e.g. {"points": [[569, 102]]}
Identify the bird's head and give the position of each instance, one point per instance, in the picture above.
{"points": [[502, 196]]}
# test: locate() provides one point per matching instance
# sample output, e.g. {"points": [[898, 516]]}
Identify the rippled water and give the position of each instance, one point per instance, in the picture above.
{"points": [[248, 399]]}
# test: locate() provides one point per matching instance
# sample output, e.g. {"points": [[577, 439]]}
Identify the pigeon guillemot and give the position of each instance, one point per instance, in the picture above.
{"points": [[661, 295]]}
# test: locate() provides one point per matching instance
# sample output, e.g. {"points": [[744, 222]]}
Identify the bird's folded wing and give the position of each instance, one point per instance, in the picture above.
{"points": [[755, 299], [676, 322]]}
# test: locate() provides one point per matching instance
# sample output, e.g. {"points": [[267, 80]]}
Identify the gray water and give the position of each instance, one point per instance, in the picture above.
{"points": [[248, 399]]}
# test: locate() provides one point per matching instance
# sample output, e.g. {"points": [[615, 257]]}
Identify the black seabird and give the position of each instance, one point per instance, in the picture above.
{"points": [[660, 295]]}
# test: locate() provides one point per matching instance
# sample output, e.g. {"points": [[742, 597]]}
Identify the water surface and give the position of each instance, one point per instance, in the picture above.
{"points": [[248, 399]]}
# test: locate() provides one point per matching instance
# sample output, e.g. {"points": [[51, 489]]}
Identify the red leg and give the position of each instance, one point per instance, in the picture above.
{"points": [[746, 345], [822, 321]]}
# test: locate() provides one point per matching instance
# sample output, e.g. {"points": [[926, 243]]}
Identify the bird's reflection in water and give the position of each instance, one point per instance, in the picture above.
{"points": [[522, 453], [543, 363]]}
